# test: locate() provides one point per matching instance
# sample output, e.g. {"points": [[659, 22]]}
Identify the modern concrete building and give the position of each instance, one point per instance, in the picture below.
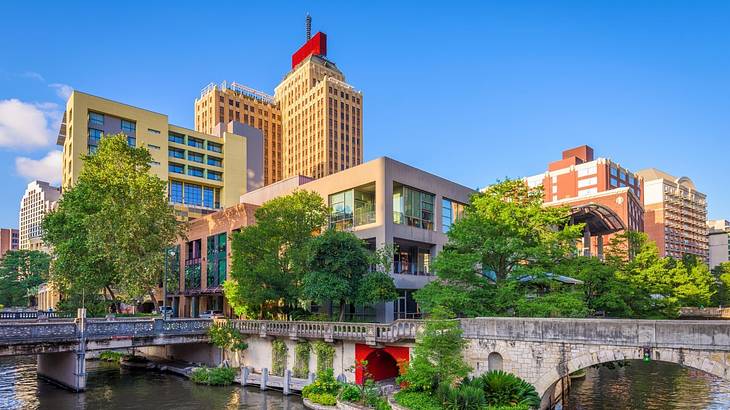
{"points": [[204, 172], [39, 199], [202, 261], [9, 240], [675, 215], [719, 241], [596, 186], [235, 102], [384, 201], [321, 114]]}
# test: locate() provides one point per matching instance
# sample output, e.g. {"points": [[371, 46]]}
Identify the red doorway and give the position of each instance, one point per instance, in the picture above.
{"points": [[382, 363]]}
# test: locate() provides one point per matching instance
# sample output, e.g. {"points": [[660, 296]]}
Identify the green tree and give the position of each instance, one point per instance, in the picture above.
{"points": [[602, 291], [721, 273], [270, 257], [21, 271], [437, 356], [338, 270], [111, 228]]}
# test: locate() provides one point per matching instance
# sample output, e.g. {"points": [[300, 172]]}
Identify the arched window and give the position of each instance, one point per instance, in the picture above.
{"points": [[494, 361]]}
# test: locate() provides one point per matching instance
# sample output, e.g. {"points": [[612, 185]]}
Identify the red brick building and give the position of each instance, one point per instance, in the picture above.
{"points": [[595, 186], [9, 240]]}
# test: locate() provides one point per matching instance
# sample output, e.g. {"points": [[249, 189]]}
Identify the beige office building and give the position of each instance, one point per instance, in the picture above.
{"points": [[226, 102], [719, 240], [39, 199], [675, 214]]}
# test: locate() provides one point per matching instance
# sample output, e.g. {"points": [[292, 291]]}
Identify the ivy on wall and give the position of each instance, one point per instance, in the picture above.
{"points": [[325, 355], [278, 357], [301, 362]]}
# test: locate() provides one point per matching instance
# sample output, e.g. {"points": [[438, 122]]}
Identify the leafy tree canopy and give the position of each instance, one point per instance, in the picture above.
{"points": [[21, 271], [111, 228]]}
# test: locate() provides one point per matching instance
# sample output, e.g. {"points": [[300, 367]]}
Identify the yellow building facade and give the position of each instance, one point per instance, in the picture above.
{"points": [[321, 117], [226, 102], [204, 172]]}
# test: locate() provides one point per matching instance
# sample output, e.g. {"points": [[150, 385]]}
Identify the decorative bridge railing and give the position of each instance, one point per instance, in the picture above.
{"points": [[93, 329], [370, 333], [33, 314]]}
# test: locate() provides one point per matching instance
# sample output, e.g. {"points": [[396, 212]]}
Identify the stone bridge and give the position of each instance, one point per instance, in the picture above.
{"points": [[541, 351], [544, 351], [61, 345]]}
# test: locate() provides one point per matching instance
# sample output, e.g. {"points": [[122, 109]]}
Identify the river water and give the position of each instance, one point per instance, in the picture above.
{"points": [[111, 388], [653, 385]]}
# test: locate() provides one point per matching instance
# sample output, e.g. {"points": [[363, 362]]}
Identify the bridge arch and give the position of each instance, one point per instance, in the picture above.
{"points": [[716, 364]]}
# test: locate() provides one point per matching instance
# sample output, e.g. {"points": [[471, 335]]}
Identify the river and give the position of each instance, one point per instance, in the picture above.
{"points": [[111, 388], [653, 385]]}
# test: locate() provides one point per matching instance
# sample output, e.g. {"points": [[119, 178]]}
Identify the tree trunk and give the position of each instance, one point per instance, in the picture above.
{"points": [[342, 310], [115, 303]]}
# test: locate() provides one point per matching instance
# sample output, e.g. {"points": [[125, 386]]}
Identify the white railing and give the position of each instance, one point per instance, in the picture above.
{"points": [[330, 331]]}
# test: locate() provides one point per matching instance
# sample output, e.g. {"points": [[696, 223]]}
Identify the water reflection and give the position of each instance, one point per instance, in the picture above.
{"points": [[653, 385], [112, 388]]}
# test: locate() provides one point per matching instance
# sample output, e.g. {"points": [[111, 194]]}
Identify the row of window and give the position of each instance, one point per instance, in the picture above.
{"points": [[176, 168], [195, 157], [194, 142], [194, 195]]}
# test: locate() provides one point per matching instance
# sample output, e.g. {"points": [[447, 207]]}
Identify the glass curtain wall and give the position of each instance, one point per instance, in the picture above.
{"points": [[412, 260], [413, 207], [192, 265], [216, 265], [353, 207], [451, 211]]}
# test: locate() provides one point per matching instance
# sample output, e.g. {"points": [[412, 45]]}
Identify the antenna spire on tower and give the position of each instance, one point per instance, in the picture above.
{"points": [[308, 26]]}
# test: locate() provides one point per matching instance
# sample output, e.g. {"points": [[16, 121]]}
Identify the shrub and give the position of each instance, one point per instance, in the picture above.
{"points": [[216, 376], [225, 336], [505, 389], [350, 393], [463, 397], [324, 383], [111, 356], [418, 400], [381, 404], [323, 398], [325, 355], [301, 360], [278, 357]]}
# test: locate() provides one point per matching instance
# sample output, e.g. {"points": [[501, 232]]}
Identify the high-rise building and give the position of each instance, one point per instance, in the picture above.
{"points": [[8, 240], [675, 214], [599, 186], [719, 241], [204, 172], [321, 115], [235, 102], [39, 199]]}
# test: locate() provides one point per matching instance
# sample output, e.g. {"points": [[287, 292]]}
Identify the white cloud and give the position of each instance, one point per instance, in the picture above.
{"points": [[46, 169], [63, 91], [33, 75], [25, 125]]}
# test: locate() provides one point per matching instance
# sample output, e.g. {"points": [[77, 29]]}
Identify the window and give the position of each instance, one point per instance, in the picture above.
{"points": [[193, 194], [209, 197], [195, 142], [614, 182], [176, 138], [412, 207], [176, 192], [176, 153], [412, 260], [192, 264], [152, 146], [216, 260], [585, 171], [587, 182], [195, 171], [623, 175], [94, 137], [176, 168], [614, 172], [128, 127], [96, 119], [632, 180], [195, 157], [215, 175], [215, 161], [451, 211], [153, 131], [215, 147], [354, 207], [131, 141], [589, 191]]}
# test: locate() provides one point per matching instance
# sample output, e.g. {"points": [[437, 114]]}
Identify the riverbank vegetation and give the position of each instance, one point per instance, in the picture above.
{"points": [[111, 356], [327, 391], [213, 376], [509, 255]]}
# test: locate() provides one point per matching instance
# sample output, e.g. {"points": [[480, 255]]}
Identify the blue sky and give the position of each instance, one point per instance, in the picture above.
{"points": [[469, 91]]}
